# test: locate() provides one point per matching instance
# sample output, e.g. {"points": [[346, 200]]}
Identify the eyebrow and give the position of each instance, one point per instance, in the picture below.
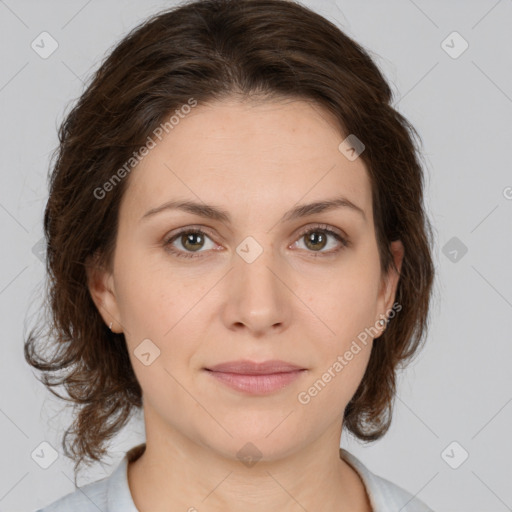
{"points": [[216, 213]]}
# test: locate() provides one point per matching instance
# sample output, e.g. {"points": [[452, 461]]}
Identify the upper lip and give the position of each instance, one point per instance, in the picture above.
{"points": [[247, 367]]}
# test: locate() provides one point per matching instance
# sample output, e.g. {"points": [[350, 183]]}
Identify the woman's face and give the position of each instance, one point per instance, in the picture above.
{"points": [[253, 285]]}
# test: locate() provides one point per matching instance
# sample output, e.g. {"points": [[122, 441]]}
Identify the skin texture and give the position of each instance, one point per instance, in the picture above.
{"points": [[295, 302]]}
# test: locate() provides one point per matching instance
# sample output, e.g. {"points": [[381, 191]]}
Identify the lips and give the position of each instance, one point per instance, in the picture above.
{"points": [[246, 367], [254, 378]]}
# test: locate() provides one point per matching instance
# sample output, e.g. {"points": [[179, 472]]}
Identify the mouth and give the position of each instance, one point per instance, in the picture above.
{"points": [[246, 367], [256, 378]]}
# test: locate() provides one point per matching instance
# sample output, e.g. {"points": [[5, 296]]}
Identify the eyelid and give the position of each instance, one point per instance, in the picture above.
{"points": [[300, 232], [322, 227], [340, 235]]}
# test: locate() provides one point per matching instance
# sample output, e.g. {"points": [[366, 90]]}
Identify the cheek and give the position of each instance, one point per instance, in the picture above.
{"points": [[346, 307], [154, 305], [149, 299], [346, 304], [335, 380]]}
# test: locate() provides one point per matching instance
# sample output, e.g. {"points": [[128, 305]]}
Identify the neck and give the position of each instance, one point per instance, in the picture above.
{"points": [[176, 473]]}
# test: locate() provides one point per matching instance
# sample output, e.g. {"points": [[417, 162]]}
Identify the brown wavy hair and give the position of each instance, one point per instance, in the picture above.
{"points": [[211, 50]]}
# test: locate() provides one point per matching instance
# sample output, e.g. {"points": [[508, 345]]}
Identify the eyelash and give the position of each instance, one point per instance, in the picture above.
{"points": [[317, 228]]}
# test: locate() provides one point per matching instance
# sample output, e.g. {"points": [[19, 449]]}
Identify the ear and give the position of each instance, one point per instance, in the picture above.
{"points": [[390, 281], [100, 283]]}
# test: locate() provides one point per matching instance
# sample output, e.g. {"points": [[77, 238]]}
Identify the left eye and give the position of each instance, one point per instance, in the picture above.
{"points": [[316, 239]]}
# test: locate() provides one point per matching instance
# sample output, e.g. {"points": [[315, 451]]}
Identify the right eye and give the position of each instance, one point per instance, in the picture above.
{"points": [[189, 239]]}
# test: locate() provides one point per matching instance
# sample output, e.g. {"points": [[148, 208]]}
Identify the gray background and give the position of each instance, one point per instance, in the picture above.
{"points": [[458, 389]]}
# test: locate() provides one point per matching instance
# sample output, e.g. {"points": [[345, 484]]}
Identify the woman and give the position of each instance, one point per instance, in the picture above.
{"points": [[237, 245]]}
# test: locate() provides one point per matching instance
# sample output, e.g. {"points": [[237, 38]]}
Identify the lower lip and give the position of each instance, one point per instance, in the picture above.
{"points": [[257, 384]]}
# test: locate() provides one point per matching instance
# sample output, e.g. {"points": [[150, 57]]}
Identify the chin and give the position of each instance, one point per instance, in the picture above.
{"points": [[253, 442]]}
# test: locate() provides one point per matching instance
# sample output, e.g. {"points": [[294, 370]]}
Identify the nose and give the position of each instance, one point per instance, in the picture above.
{"points": [[258, 297]]}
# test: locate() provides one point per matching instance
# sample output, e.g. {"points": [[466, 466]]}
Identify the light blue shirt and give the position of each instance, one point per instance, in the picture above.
{"points": [[112, 493]]}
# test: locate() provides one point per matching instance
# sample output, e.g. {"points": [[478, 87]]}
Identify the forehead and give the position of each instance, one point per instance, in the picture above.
{"points": [[248, 157]]}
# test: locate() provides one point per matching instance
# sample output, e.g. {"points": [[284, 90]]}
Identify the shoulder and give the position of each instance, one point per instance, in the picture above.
{"points": [[110, 494], [88, 498], [383, 493]]}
